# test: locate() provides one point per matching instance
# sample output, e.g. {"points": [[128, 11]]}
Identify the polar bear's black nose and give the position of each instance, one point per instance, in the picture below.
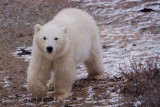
{"points": [[49, 49]]}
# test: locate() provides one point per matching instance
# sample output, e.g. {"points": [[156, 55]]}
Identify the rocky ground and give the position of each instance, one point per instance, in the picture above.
{"points": [[129, 30]]}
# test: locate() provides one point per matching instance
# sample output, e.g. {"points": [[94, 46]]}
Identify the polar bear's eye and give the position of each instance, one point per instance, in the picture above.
{"points": [[44, 38], [55, 38]]}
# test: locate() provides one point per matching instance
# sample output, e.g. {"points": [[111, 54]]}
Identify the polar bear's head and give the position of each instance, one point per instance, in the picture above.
{"points": [[51, 41]]}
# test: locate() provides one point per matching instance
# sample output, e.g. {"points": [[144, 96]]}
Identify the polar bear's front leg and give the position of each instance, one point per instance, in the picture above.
{"points": [[38, 74], [51, 83], [64, 79]]}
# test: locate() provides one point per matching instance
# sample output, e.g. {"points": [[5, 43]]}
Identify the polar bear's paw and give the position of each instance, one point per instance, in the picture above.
{"points": [[38, 89], [60, 96], [97, 76]]}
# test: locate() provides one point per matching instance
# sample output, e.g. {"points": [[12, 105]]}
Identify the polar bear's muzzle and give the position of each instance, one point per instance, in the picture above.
{"points": [[49, 49]]}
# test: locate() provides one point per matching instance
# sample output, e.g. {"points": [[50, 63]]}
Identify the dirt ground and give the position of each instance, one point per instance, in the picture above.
{"points": [[17, 20]]}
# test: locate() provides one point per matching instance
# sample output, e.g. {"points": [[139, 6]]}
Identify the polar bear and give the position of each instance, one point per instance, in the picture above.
{"points": [[72, 37]]}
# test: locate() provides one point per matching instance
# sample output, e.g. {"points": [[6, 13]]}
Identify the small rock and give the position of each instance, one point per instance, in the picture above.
{"points": [[77, 84], [67, 106], [20, 35], [9, 78], [16, 95], [146, 10], [106, 46], [95, 88], [74, 98], [134, 44], [24, 52], [78, 67]]}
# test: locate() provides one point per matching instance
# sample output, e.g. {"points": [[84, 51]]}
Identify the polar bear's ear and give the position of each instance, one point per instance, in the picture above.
{"points": [[37, 28]]}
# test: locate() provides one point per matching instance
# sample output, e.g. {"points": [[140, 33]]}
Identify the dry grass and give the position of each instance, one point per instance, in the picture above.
{"points": [[142, 83]]}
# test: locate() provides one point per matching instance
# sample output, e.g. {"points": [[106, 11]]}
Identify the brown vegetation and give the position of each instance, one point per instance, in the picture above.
{"points": [[142, 83]]}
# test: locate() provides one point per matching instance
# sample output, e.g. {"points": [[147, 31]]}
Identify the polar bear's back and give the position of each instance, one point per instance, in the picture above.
{"points": [[74, 16], [76, 19]]}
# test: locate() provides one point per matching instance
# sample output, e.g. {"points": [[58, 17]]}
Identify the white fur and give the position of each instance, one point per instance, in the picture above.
{"points": [[78, 42]]}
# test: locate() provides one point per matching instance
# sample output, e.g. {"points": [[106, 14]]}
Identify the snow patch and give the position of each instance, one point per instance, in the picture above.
{"points": [[6, 81]]}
